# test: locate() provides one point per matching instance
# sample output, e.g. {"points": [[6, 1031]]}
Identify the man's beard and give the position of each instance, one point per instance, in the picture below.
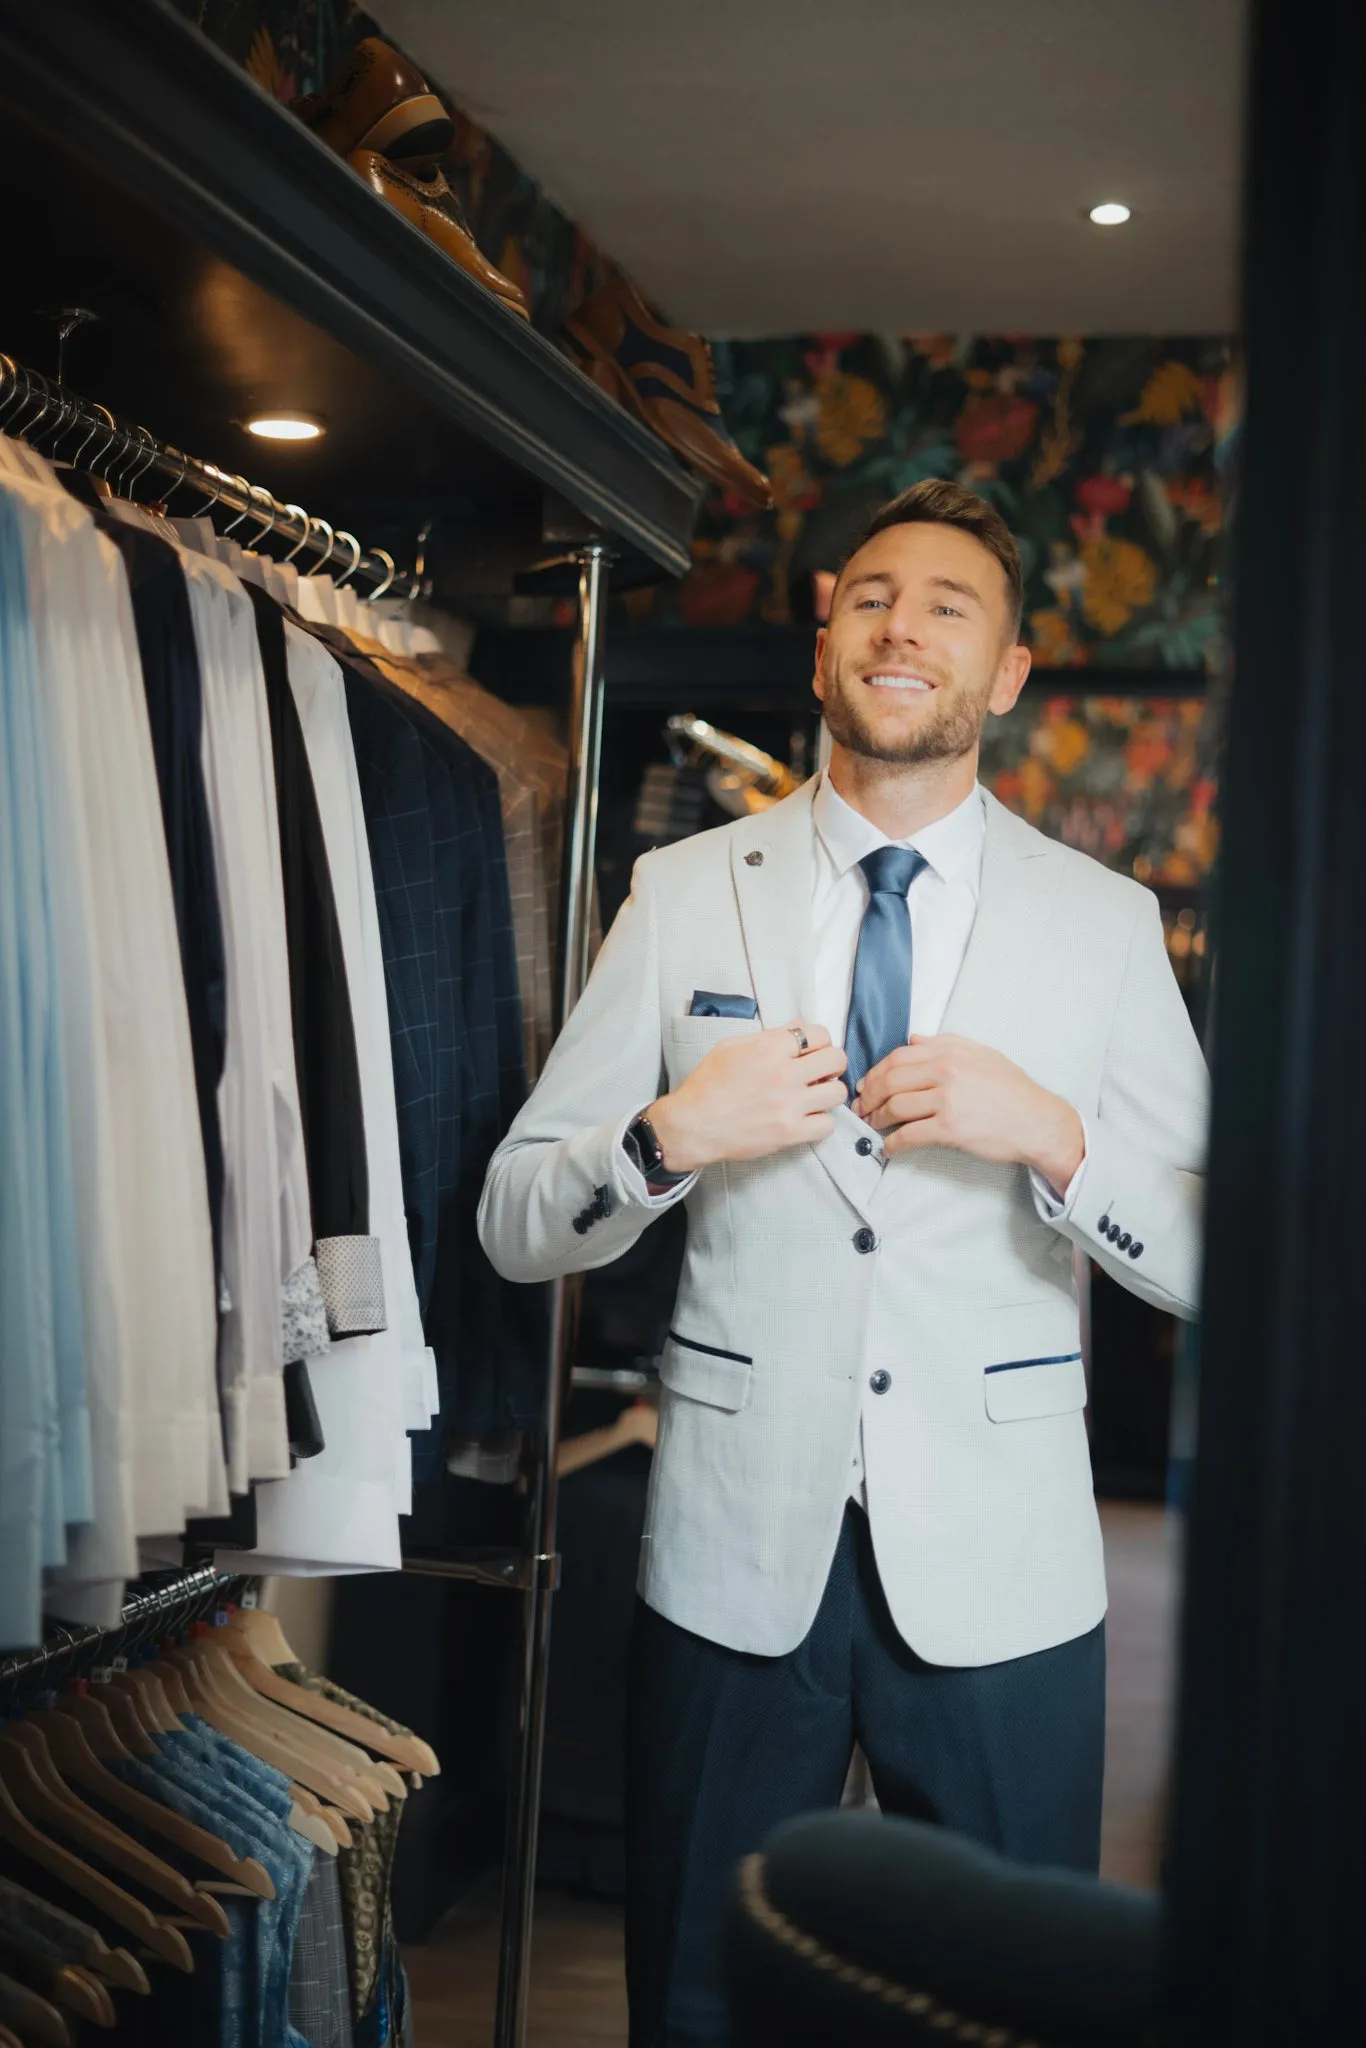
{"points": [[953, 730]]}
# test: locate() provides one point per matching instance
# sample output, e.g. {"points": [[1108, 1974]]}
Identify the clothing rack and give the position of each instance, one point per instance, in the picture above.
{"points": [[124, 455], [152, 1608]]}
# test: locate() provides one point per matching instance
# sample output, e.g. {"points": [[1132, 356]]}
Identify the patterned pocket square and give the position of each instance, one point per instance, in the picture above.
{"points": [[705, 1004]]}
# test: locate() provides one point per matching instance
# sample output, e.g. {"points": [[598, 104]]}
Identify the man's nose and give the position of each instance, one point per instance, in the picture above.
{"points": [[898, 629]]}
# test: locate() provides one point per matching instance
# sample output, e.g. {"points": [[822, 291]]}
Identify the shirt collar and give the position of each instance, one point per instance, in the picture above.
{"points": [[952, 845]]}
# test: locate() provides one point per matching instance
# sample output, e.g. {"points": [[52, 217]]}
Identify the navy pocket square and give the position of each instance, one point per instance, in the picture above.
{"points": [[705, 1004]]}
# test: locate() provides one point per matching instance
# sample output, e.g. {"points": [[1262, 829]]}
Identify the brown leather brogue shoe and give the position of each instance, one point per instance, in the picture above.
{"points": [[378, 101], [429, 203], [666, 377]]}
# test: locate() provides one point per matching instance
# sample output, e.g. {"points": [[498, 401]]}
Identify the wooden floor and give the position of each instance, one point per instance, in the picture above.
{"points": [[578, 1997]]}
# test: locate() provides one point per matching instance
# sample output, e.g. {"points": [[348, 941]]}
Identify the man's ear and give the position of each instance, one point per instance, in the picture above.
{"points": [[1011, 676], [818, 679]]}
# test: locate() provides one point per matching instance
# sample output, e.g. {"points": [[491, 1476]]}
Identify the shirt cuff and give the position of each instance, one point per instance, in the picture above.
{"points": [[632, 1180], [1053, 1207]]}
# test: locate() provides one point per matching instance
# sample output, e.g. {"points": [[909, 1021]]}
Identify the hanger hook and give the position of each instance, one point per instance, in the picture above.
{"points": [[64, 403], [369, 596], [184, 462], [93, 429], [272, 510], [322, 563], [147, 442], [298, 513], [34, 378], [354, 563], [215, 476], [10, 370], [424, 534], [245, 488]]}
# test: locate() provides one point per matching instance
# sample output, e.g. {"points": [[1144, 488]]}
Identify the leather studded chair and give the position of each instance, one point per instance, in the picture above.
{"points": [[869, 1933]]}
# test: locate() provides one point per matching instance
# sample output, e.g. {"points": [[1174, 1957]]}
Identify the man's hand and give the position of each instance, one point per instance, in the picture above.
{"points": [[750, 1096], [950, 1091]]}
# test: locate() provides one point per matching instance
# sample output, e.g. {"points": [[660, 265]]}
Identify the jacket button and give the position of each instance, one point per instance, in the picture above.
{"points": [[864, 1147], [1113, 1233], [754, 860], [1135, 1250], [880, 1382], [864, 1240], [1124, 1240], [1103, 1226]]}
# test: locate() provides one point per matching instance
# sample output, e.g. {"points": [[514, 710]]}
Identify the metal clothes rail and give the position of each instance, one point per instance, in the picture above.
{"points": [[154, 1606], [35, 409]]}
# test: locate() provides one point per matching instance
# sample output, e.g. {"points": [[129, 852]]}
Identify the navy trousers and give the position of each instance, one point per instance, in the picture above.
{"points": [[723, 1745]]}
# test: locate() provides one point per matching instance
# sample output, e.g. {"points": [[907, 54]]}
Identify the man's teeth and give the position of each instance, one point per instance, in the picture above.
{"points": [[898, 683]]}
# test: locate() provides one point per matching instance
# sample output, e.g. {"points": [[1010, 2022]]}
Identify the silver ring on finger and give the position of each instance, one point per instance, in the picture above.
{"points": [[800, 1036]]}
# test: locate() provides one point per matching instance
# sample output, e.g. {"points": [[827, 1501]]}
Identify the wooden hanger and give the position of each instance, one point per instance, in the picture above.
{"points": [[141, 1686], [349, 1766], [95, 1722], [78, 1764], [54, 1803], [226, 1715], [110, 1965], [77, 1992], [42, 2024], [123, 1714], [379, 1781], [111, 1900], [256, 1639]]}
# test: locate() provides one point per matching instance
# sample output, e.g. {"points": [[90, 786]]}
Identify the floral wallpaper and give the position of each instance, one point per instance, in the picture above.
{"points": [[1107, 457], [295, 46], [1129, 780]]}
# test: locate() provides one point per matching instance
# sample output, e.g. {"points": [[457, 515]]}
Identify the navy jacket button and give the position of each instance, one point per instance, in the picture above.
{"points": [[1103, 1226], [880, 1382], [1124, 1240], [1113, 1233], [1135, 1250], [864, 1240], [864, 1147]]}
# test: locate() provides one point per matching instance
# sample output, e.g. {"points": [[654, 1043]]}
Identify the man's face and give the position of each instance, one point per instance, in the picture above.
{"points": [[919, 647]]}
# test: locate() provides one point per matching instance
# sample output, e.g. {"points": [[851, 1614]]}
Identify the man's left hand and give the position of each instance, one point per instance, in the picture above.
{"points": [[951, 1091]]}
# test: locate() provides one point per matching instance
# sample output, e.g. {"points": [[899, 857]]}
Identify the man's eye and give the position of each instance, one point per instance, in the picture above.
{"points": [[952, 610], [869, 603]]}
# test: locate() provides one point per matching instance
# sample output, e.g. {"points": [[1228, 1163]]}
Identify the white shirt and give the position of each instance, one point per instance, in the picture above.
{"points": [[943, 907]]}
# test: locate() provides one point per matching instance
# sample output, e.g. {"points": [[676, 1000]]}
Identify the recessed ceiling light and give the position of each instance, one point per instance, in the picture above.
{"points": [[285, 426], [1112, 214]]}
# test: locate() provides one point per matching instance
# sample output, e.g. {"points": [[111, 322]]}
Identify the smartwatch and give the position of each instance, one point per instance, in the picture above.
{"points": [[645, 1153]]}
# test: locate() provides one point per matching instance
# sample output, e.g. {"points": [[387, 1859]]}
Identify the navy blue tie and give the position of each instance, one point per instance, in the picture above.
{"points": [[880, 1007]]}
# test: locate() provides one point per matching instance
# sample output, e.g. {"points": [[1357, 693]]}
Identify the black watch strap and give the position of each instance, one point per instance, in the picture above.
{"points": [[645, 1152]]}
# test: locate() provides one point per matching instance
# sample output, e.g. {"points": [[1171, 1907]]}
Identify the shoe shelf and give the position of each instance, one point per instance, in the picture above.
{"points": [[234, 261]]}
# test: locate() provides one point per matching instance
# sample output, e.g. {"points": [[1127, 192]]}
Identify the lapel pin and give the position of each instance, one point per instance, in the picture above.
{"points": [[754, 860]]}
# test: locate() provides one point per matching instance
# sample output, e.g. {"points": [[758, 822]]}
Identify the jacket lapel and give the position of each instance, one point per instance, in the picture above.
{"points": [[772, 860], [1020, 872], [772, 864]]}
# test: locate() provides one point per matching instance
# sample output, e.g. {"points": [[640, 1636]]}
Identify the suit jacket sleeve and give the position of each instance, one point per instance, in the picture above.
{"points": [[560, 1195], [1138, 1207]]}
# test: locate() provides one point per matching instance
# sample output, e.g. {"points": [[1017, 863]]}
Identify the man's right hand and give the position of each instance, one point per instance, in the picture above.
{"points": [[750, 1096]]}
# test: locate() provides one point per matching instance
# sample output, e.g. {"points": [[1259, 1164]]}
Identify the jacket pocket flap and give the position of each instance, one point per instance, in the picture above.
{"points": [[1021, 1390], [704, 1373]]}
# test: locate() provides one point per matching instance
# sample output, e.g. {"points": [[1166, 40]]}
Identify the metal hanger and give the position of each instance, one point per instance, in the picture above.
{"points": [[298, 513], [355, 557], [369, 596]]}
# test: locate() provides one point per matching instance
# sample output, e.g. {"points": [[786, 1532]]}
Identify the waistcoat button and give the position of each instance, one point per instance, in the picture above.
{"points": [[864, 1239], [880, 1382]]}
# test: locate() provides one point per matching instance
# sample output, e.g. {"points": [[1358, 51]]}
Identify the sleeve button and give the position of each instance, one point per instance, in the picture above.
{"points": [[864, 1147]]}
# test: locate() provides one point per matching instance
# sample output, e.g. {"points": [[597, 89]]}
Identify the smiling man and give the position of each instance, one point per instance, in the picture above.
{"points": [[900, 1055]]}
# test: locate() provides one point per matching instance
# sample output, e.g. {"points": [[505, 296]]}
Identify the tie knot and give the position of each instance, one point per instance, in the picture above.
{"points": [[891, 869]]}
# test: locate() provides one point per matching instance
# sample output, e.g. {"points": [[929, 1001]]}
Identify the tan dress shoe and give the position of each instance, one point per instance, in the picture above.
{"points": [[429, 203], [666, 378], [378, 101]]}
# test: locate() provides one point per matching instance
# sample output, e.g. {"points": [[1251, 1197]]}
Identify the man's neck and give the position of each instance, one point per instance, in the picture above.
{"points": [[901, 798]]}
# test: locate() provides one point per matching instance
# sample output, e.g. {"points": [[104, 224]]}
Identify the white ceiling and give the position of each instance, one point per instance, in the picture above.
{"points": [[773, 166]]}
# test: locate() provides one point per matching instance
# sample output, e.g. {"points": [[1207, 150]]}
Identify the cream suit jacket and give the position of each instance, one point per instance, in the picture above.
{"points": [[811, 1272]]}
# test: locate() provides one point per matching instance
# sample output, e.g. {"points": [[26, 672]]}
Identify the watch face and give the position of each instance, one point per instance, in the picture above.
{"points": [[649, 1151]]}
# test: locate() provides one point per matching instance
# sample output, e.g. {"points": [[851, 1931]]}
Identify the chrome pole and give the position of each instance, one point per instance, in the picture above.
{"points": [[524, 1807]]}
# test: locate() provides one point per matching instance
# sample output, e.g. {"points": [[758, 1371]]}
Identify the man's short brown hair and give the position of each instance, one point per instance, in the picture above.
{"points": [[938, 502]]}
